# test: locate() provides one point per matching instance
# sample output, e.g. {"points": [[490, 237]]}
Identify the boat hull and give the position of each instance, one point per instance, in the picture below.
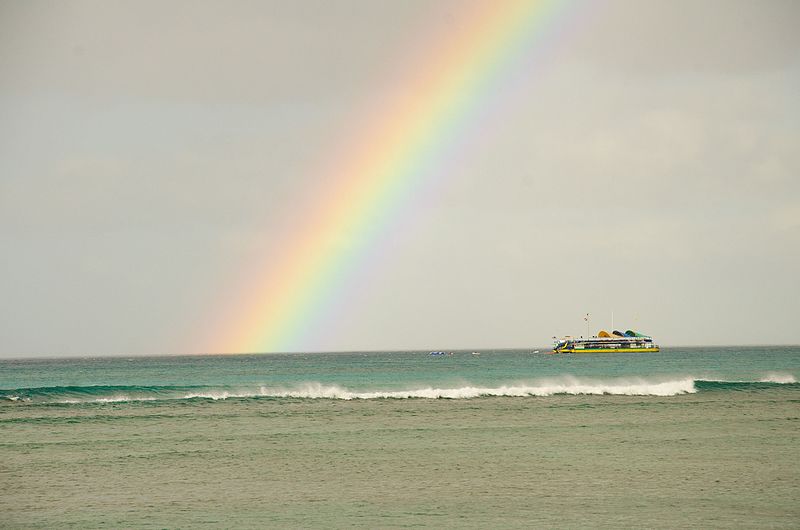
{"points": [[607, 350]]}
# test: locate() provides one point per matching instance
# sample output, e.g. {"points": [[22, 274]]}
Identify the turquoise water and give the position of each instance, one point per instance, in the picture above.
{"points": [[684, 438], [393, 374]]}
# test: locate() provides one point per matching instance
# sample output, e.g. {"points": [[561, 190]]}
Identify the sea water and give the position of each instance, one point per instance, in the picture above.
{"points": [[684, 437]]}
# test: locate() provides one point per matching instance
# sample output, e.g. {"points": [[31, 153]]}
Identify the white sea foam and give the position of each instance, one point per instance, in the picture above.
{"points": [[784, 379], [770, 377], [544, 387], [222, 394], [563, 385], [119, 398]]}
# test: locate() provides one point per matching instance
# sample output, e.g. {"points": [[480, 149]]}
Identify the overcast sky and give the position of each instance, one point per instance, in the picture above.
{"points": [[150, 152]]}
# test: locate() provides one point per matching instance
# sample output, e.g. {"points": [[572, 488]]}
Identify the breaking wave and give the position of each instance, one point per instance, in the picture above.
{"points": [[564, 385], [782, 379]]}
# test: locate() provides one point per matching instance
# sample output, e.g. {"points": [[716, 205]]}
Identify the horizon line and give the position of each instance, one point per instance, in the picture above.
{"points": [[48, 356]]}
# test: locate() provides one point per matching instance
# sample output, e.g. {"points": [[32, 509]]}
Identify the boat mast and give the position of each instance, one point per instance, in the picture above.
{"points": [[586, 318]]}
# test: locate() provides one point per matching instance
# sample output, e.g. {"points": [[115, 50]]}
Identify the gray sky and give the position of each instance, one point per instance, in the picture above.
{"points": [[151, 151]]}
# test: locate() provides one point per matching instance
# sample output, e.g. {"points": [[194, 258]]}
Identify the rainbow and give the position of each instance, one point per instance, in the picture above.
{"points": [[411, 139]]}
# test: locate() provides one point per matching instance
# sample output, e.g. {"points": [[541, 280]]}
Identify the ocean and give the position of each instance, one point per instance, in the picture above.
{"points": [[687, 437]]}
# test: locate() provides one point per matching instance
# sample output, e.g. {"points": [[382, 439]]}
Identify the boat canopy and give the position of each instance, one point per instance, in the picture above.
{"points": [[631, 333], [618, 333], [603, 333]]}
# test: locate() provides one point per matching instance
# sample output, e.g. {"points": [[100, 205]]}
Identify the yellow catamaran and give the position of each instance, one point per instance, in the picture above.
{"points": [[616, 341]]}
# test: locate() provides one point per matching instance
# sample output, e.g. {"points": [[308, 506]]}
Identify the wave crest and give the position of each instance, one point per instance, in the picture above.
{"points": [[315, 390], [541, 388], [562, 385], [782, 379]]}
